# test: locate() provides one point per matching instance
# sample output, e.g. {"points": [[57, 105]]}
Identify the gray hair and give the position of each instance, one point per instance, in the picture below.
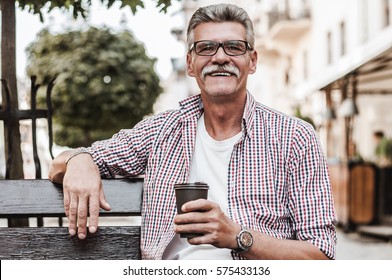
{"points": [[221, 13]]}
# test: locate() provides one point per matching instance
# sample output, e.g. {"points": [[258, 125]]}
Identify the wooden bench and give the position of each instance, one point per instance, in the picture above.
{"points": [[42, 198]]}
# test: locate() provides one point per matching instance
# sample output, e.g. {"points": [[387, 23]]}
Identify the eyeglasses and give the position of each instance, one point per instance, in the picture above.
{"points": [[210, 48]]}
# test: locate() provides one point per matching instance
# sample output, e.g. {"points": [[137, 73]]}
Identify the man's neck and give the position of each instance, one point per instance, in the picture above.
{"points": [[223, 120]]}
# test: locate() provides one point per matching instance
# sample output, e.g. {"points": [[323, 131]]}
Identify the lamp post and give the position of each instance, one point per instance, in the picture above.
{"points": [[348, 109]]}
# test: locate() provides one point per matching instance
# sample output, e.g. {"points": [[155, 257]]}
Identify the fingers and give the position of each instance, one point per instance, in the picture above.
{"points": [[198, 217], [198, 205], [82, 217], [192, 217], [198, 211], [77, 216], [66, 203], [83, 208], [94, 205], [79, 208], [103, 202], [94, 214], [211, 232], [203, 216], [72, 212]]}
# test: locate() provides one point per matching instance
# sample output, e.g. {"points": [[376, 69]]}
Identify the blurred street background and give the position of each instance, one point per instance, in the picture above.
{"points": [[353, 246], [328, 62]]}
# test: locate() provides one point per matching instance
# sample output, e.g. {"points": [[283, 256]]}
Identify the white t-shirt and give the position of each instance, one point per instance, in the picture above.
{"points": [[209, 165]]}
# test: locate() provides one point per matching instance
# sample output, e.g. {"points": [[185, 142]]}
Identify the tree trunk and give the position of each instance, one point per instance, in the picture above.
{"points": [[8, 71]]}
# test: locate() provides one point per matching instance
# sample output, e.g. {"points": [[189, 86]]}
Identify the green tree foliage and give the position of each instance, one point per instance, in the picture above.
{"points": [[383, 152], [78, 7], [105, 82]]}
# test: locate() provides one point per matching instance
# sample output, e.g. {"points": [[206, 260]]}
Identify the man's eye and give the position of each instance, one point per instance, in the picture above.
{"points": [[235, 47], [205, 47]]}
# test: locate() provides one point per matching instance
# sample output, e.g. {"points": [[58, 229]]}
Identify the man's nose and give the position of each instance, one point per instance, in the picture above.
{"points": [[220, 55]]}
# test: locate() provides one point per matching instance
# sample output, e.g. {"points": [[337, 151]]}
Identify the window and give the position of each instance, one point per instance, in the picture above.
{"points": [[342, 38], [363, 20], [386, 13], [329, 47], [305, 64]]}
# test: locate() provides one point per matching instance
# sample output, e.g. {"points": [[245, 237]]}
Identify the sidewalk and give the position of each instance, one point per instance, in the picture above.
{"points": [[353, 246]]}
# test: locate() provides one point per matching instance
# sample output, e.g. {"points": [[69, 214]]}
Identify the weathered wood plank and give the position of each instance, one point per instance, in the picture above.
{"points": [[42, 198], [109, 243]]}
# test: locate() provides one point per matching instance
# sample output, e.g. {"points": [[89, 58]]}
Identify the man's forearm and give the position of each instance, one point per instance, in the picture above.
{"points": [[268, 247]]}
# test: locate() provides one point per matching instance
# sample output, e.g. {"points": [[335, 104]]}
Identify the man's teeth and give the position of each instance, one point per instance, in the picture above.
{"points": [[220, 74]]}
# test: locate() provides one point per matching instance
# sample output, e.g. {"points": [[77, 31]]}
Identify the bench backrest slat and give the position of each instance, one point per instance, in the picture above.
{"points": [[42, 198], [35, 198]]}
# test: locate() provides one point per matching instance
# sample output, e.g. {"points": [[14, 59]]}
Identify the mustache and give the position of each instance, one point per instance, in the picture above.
{"points": [[220, 68]]}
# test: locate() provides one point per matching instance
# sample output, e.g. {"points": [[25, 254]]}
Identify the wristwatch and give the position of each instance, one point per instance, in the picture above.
{"points": [[244, 240]]}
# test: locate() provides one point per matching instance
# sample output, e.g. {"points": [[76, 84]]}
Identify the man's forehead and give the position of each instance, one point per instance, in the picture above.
{"points": [[220, 31]]}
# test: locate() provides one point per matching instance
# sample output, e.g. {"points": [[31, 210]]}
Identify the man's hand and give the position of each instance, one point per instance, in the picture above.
{"points": [[83, 193], [218, 229]]}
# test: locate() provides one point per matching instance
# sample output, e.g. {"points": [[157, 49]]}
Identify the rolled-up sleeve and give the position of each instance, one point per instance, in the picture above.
{"points": [[311, 204]]}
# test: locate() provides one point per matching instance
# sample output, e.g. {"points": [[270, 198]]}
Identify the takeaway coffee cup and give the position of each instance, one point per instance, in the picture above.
{"points": [[186, 192]]}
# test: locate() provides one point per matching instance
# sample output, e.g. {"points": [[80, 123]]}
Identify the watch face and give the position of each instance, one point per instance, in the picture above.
{"points": [[246, 239]]}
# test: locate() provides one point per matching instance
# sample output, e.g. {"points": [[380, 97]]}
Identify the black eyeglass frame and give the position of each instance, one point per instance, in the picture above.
{"points": [[221, 45]]}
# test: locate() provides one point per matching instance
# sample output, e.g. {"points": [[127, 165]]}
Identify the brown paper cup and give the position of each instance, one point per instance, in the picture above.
{"points": [[186, 192]]}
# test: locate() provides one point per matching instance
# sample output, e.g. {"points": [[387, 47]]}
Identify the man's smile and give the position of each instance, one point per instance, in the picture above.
{"points": [[221, 74], [220, 71]]}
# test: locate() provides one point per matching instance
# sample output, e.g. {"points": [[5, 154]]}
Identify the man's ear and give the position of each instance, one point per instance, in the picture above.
{"points": [[189, 65], [253, 61]]}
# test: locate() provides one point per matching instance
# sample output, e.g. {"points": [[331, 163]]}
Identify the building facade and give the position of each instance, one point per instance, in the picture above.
{"points": [[320, 56]]}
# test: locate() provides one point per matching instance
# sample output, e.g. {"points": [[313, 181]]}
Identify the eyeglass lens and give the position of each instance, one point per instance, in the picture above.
{"points": [[234, 47]]}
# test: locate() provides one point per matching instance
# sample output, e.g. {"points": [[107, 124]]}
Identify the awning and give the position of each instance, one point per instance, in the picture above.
{"points": [[371, 63]]}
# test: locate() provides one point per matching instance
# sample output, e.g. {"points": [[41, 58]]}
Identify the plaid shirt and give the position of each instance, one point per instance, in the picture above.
{"points": [[278, 181]]}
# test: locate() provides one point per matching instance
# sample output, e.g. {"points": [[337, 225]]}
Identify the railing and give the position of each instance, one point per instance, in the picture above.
{"points": [[276, 15], [8, 115]]}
